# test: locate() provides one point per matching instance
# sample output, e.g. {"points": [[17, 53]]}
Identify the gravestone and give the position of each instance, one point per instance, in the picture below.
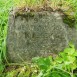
{"points": [[35, 34]]}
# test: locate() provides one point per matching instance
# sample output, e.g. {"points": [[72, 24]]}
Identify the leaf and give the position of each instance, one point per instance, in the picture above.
{"points": [[40, 74], [60, 73], [69, 51], [43, 63], [1, 68], [54, 74], [11, 74], [71, 45], [75, 53]]}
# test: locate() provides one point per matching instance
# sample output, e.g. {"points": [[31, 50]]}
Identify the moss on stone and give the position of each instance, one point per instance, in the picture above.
{"points": [[70, 20]]}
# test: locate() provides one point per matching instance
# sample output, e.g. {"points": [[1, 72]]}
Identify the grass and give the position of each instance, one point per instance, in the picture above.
{"points": [[69, 6], [63, 65]]}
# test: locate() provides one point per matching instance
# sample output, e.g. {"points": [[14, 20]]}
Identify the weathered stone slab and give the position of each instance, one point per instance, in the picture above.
{"points": [[36, 34]]}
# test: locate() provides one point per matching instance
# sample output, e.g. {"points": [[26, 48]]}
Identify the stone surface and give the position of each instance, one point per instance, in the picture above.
{"points": [[34, 35], [72, 35]]}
